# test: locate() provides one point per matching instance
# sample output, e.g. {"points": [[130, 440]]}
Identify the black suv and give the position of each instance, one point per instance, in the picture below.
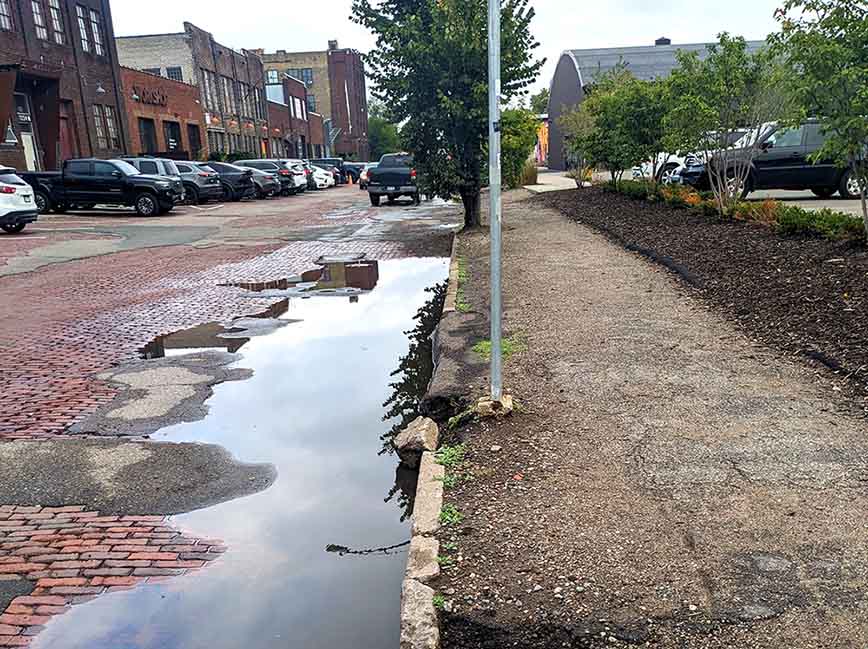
{"points": [[784, 161], [237, 182], [87, 182]]}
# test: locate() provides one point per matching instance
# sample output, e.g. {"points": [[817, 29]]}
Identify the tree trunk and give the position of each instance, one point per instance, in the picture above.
{"points": [[472, 207], [864, 207]]}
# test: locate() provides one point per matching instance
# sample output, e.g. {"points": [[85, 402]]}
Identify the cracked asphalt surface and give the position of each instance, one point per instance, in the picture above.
{"points": [[669, 482]]}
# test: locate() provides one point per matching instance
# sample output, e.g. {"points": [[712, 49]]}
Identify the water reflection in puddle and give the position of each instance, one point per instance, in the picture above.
{"points": [[314, 408]]}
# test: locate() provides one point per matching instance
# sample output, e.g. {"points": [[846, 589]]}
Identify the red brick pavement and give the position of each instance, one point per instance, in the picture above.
{"points": [[75, 555], [62, 325]]}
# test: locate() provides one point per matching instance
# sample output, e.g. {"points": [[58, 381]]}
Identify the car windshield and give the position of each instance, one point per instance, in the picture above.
{"points": [[125, 167]]}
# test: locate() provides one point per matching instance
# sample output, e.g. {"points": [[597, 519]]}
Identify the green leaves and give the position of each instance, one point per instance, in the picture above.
{"points": [[430, 67]]}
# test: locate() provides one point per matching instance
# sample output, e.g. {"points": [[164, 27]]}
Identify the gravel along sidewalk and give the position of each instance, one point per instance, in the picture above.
{"points": [[667, 481]]}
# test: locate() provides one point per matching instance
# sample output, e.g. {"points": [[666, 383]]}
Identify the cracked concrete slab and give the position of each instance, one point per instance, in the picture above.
{"points": [[156, 393], [124, 477]]}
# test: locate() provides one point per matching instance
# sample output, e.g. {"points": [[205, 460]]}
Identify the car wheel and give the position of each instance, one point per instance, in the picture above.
{"points": [[43, 203], [192, 196], [664, 175], [13, 229], [375, 200], [850, 185], [822, 192], [146, 205]]}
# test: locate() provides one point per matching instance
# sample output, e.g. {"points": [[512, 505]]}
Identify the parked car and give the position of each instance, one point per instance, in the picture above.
{"points": [[288, 183], [17, 202], [395, 176], [337, 163], [363, 176], [237, 183], [784, 161], [201, 182], [158, 167], [265, 183], [322, 179], [335, 173], [353, 170], [298, 170], [85, 182]]}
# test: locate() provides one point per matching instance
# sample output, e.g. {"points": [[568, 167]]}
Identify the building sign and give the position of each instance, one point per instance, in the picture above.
{"points": [[153, 96]]}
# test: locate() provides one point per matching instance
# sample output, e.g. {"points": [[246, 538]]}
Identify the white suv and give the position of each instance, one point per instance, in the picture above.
{"points": [[17, 206]]}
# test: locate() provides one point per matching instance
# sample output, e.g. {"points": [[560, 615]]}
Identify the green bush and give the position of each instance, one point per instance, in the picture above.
{"points": [[518, 137], [635, 189], [825, 223]]}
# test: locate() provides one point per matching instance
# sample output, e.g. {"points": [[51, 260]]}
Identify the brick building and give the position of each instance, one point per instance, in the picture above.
{"points": [[60, 93], [279, 128], [335, 81], [302, 133], [231, 84], [165, 117]]}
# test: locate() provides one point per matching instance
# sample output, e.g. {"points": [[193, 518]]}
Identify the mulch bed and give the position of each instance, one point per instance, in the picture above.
{"points": [[805, 296]]}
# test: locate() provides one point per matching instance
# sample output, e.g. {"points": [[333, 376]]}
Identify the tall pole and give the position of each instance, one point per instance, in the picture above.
{"points": [[494, 185]]}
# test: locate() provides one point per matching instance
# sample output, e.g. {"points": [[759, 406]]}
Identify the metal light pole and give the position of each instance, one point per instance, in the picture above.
{"points": [[494, 180]]}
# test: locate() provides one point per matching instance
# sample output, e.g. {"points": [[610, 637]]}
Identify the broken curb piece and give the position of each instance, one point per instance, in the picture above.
{"points": [[420, 435], [490, 408]]}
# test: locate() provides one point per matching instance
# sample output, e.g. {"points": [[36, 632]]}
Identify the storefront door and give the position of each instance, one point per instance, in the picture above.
{"points": [[172, 132], [68, 140], [23, 120]]}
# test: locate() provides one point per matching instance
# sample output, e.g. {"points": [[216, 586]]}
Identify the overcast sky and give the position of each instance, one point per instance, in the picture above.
{"points": [[297, 25]]}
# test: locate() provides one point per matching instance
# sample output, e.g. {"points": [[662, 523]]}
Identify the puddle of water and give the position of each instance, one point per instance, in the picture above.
{"points": [[316, 561]]}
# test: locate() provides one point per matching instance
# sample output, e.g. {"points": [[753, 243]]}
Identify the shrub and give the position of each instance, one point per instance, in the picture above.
{"points": [[825, 223], [529, 173]]}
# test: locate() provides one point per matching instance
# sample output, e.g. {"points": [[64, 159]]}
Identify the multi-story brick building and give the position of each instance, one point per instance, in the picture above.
{"points": [[165, 117], [302, 130], [232, 84], [335, 81], [60, 93]]}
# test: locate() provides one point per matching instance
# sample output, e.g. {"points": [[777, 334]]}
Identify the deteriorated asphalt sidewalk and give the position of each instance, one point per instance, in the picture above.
{"points": [[669, 483]]}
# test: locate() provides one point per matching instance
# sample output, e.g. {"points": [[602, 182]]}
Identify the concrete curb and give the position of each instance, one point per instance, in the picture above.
{"points": [[420, 626], [452, 286]]}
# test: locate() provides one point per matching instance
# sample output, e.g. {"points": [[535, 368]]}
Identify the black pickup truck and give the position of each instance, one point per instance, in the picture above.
{"points": [[395, 176], [86, 182]]}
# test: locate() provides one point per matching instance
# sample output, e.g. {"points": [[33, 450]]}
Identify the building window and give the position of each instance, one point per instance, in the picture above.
{"points": [[111, 123], [56, 21], [273, 76], [303, 74], [175, 74], [311, 103], [39, 20], [147, 135], [5, 15], [81, 14], [99, 122], [96, 28], [230, 105]]}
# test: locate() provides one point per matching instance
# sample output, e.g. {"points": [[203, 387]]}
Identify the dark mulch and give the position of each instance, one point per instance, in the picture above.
{"points": [[805, 296]]}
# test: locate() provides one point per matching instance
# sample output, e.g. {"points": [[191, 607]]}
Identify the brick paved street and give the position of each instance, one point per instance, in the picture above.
{"points": [[82, 293], [65, 322]]}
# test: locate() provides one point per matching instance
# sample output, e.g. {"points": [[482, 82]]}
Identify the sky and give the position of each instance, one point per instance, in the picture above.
{"points": [[300, 25]]}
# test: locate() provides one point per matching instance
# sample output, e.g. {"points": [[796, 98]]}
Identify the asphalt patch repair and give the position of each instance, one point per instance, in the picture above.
{"points": [[668, 481], [807, 296]]}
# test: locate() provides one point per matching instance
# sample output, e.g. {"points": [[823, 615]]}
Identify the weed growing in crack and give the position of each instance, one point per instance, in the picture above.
{"points": [[509, 346], [445, 561], [450, 515], [439, 602], [450, 546], [461, 303], [450, 456]]}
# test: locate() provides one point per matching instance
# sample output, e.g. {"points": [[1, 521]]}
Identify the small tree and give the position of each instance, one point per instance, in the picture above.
{"points": [[728, 96], [578, 126], [826, 41], [383, 136], [539, 103], [519, 128], [430, 66]]}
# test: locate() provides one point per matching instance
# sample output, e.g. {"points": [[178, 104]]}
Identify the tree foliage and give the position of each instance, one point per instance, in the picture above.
{"points": [[826, 42], [519, 128], [539, 102], [718, 100], [430, 67], [383, 135]]}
